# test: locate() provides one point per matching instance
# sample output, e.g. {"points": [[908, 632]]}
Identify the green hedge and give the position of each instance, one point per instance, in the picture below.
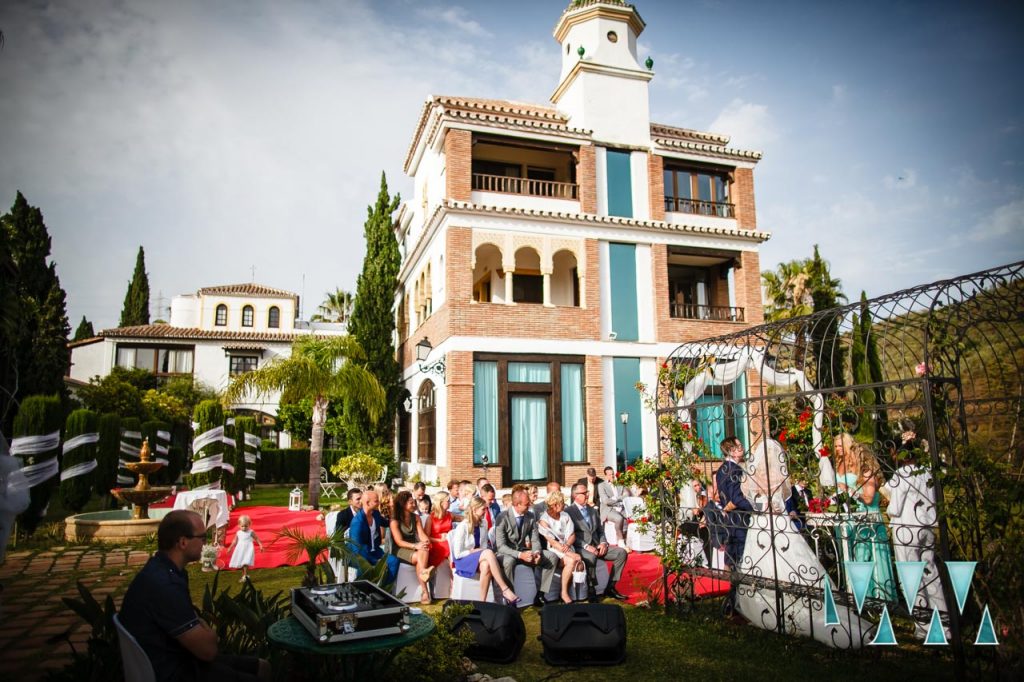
{"points": [[107, 452], [75, 491], [290, 465], [39, 415]]}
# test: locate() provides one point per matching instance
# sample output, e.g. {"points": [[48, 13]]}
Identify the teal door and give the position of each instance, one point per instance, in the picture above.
{"points": [[710, 416], [528, 427]]}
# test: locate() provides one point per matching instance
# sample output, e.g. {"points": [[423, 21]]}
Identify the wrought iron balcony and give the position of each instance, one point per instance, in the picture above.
{"points": [[716, 313], [719, 209], [525, 186]]}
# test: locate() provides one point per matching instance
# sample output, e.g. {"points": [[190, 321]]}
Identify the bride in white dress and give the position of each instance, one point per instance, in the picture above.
{"points": [[774, 550]]}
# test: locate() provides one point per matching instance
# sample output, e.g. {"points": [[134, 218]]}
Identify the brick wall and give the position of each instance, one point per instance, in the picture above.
{"points": [[748, 286], [743, 197], [458, 151], [586, 178], [656, 185]]}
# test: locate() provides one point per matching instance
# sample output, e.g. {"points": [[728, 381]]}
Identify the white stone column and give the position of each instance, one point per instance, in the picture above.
{"points": [[547, 290]]}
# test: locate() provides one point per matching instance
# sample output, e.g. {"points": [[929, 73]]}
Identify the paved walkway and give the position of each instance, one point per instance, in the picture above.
{"points": [[32, 615]]}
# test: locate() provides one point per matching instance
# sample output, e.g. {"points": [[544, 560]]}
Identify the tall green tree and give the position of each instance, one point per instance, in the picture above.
{"points": [[373, 321], [84, 330], [75, 491], [136, 299], [322, 369], [826, 293], [33, 313], [39, 415], [337, 307]]}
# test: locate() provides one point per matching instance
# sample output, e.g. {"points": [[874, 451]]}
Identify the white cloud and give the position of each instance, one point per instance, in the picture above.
{"points": [[1002, 221], [456, 16], [749, 125]]}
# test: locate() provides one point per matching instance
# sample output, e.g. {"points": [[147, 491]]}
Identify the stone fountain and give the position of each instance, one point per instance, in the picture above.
{"points": [[120, 525]]}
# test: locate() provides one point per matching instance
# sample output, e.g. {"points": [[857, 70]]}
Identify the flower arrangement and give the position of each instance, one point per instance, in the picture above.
{"points": [[208, 557], [358, 470]]}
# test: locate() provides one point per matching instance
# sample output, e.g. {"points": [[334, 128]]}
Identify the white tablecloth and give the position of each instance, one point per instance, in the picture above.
{"points": [[184, 499]]}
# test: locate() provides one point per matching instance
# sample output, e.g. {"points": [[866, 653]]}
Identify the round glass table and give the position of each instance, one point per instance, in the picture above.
{"points": [[349, 660]]}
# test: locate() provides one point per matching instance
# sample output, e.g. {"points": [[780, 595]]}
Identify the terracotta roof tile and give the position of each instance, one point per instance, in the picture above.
{"points": [[247, 289], [672, 132], [166, 331]]}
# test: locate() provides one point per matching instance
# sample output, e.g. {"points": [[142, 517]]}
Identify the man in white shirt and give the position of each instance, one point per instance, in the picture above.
{"points": [[912, 518]]}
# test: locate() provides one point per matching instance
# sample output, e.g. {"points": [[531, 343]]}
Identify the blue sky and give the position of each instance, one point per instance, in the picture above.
{"points": [[246, 135]]}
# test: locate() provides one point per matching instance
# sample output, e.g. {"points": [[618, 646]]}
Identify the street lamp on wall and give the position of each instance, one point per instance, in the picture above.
{"points": [[624, 418], [423, 349]]}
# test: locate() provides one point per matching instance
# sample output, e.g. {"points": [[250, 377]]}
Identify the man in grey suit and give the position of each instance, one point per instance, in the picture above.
{"points": [[591, 546], [611, 497], [517, 541]]}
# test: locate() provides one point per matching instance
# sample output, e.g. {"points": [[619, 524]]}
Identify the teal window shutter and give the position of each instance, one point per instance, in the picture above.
{"points": [[620, 184]]}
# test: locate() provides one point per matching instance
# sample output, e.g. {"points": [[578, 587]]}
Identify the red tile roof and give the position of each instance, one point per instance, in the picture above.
{"points": [[247, 289], [166, 331]]}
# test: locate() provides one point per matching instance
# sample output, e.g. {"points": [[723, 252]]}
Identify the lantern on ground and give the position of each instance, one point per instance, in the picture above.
{"points": [[295, 500]]}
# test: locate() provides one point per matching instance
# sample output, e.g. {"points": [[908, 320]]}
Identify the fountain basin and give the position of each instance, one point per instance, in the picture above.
{"points": [[115, 525]]}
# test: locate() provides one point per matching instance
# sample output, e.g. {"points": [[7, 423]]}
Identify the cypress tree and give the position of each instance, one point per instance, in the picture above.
{"points": [[33, 318], [247, 453], [873, 373], [131, 443], [84, 330], [208, 415], [39, 415], [826, 293], [136, 299], [108, 450], [75, 491], [373, 320]]}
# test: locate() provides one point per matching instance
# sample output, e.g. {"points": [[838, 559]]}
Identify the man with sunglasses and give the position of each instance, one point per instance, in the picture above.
{"points": [[590, 544], [158, 611]]}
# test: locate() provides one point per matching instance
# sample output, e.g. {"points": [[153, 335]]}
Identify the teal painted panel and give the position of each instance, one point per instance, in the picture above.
{"points": [[628, 439], [710, 415], [622, 268], [620, 184]]}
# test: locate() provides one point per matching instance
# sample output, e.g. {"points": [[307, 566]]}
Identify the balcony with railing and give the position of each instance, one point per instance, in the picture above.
{"points": [[715, 313], [718, 209], [527, 186]]}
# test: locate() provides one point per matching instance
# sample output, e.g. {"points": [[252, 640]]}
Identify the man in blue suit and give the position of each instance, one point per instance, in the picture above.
{"points": [[735, 506], [367, 533]]}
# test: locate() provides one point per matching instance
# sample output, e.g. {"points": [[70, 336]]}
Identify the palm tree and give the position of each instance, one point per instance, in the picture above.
{"points": [[321, 369], [787, 291], [337, 307]]}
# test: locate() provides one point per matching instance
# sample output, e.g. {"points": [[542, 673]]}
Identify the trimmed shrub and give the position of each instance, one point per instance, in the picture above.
{"points": [[208, 415], [158, 448], [75, 491], [290, 465], [130, 446], [38, 416], [243, 426], [107, 451]]}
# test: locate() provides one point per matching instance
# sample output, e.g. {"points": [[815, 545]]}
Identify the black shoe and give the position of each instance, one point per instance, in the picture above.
{"points": [[593, 597], [539, 601], [612, 593]]}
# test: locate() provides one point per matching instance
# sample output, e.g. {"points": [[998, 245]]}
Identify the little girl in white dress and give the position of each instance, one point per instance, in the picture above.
{"points": [[244, 555]]}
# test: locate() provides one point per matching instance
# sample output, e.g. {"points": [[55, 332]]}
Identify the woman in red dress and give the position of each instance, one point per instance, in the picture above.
{"points": [[438, 525]]}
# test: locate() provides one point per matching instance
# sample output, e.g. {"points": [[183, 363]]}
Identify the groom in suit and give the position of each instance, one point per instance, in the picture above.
{"points": [[590, 544], [735, 506], [517, 541]]}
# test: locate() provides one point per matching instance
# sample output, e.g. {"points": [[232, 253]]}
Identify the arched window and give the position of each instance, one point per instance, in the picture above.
{"points": [[488, 277], [222, 316], [274, 317], [247, 316], [426, 450], [565, 283], [528, 283]]}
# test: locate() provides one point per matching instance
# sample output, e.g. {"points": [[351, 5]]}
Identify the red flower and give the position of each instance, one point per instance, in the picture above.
{"points": [[824, 452], [643, 519], [630, 468], [804, 416], [782, 436], [685, 427], [816, 505], [664, 365]]}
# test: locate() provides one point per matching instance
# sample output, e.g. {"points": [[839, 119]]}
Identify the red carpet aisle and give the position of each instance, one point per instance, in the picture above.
{"points": [[644, 569], [267, 522]]}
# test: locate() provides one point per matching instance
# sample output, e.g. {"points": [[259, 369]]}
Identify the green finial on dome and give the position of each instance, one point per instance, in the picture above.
{"points": [[649, 63], [580, 51]]}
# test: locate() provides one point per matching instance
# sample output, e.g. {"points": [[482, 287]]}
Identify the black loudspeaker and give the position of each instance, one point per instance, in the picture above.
{"points": [[583, 634], [498, 630]]}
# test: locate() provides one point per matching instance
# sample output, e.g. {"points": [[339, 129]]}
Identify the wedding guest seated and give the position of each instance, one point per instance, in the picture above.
{"points": [[558, 529], [419, 491], [409, 541], [694, 524], [488, 493], [366, 534], [797, 504], [531, 490], [540, 507], [472, 552], [423, 508], [385, 500], [355, 503], [591, 546], [453, 496], [467, 491], [506, 502], [611, 505], [438, 525], [517, 539], [158, 611], [480, 483]]}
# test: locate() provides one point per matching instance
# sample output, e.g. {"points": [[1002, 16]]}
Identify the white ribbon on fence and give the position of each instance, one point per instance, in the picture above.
{"points": [[161, 449], [33, 445], [230, 468], [252, 440], [228, 441], [79, 441], [207, 437], [163, 435], [250, 473], [78, 470], [250, 458], [230, 421], [125, 480], [205, 464], [129, 449], [32, 475], [137, 435], [163, 460]]}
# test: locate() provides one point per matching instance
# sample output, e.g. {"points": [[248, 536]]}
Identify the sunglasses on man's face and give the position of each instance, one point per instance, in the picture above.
{"points": [[203, 536]]}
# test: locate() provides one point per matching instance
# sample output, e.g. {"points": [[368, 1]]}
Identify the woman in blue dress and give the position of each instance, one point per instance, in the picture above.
{"points": [[871, 539], [472, 551]]}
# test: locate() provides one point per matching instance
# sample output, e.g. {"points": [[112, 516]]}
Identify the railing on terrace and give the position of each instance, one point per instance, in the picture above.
{"points": [[718, 313], [534, 188], [719, 209]]}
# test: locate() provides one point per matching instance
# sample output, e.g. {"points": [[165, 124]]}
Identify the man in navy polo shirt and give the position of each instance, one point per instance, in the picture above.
{"points": [[158, 611]]}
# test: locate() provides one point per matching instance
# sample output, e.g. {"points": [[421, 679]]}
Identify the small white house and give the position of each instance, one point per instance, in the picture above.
{"points": [[214, 334]]}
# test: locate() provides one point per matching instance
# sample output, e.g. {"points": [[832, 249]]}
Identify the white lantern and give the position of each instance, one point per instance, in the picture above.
{"points": [[295, 500]]}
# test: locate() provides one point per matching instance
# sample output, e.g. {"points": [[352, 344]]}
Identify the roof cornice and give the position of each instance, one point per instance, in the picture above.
{"points": [[701, 149]]}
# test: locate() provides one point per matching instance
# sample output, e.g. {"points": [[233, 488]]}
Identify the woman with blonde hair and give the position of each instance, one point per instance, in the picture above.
{"points": [[557, 527], [438, 524], [871, 540], [386, 501], [472, 551]]}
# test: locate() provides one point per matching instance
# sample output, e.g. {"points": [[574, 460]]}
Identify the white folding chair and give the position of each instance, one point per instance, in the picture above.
{"points": [[327, 487], [137, 667]]}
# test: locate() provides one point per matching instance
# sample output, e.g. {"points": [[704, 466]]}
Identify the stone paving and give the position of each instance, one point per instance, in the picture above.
{"points": [[33, 617]]}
